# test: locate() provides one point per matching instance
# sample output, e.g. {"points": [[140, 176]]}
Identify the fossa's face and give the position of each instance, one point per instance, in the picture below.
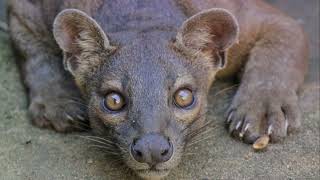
{"points": [[148, 97]]}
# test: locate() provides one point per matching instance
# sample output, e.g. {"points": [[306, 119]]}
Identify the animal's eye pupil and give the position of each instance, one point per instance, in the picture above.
{"points": [[114, 101], [183, 98]]}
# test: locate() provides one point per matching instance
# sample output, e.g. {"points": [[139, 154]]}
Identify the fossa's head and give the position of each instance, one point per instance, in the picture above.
{"points": [[147, 96]]}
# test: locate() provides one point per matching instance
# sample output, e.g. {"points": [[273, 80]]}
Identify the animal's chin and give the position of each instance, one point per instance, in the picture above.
{"points": [[152, 174]]}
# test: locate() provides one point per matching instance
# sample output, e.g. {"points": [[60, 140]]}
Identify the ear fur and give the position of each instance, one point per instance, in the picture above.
{"points": [[209, 34], [82, 41]]}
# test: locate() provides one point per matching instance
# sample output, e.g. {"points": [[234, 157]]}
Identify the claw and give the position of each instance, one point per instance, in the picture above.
{"points": [[244, 131], [270, 128], [80, 117], [69, 117], [238, 125], [241, 135], [286, 124], [45, 115], [230, 117]]}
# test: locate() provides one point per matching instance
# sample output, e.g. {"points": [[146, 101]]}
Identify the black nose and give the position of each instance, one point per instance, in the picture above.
{"points": [[152, 149]]}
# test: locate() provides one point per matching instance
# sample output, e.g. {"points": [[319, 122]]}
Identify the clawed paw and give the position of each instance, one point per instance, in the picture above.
{"points": [[62, 115], [255, 114]]}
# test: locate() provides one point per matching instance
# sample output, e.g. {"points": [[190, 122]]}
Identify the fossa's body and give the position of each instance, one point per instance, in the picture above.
{"points": [[140, 71]]}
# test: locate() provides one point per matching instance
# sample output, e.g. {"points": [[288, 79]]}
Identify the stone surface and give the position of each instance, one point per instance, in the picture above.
{"points": [[27, 152]]}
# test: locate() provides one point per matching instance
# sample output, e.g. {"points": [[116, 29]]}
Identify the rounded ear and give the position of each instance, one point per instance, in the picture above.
{"points": [[79, 35], [209, 33], [71, 27]]}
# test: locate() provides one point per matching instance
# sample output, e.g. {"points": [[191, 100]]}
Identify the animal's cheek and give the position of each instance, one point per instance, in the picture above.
{"points": [[188, 115], [113, 119], [185, 116]]}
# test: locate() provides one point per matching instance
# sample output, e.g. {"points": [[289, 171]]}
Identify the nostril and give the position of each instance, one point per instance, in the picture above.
{"points": [[134, 142], [167, 151], [139, 153], [136, 152], [164, 152]]}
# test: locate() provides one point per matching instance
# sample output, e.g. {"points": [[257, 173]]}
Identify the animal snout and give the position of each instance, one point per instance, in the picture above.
{"points": [[152, 149]]}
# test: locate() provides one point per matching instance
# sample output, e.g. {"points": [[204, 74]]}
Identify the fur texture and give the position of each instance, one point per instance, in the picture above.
{"points": [[76, 52]]}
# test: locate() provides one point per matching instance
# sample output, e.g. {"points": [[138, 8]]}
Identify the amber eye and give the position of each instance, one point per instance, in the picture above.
{"points": [[114, 101], [183, 98]]}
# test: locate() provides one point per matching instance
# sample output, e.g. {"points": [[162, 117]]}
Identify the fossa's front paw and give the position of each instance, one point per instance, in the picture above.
{"points": [[259, 112], [61, 114]]}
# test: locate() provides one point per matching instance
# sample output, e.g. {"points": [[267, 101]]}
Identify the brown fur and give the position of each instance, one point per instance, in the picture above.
{"points": [[136, 48]]}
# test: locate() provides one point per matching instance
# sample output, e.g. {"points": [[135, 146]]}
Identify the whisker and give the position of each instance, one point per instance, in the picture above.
{"points": [[78, 103], [101, 138], [74, 99], [203, 133], [81, 128], [196, 138], [225, 89], [98, 141], [198, 130], [117, 162], [105, 142], [201, 140], [122, 149], [194, 122], [201, 129], [105, 149], [80, 123]]}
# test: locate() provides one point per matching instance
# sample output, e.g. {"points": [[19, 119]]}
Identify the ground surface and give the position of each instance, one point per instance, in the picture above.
{"points": [[27, 152]]}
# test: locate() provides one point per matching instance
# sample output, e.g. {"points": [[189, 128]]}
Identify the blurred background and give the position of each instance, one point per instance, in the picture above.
{"points": [[27, 152]]}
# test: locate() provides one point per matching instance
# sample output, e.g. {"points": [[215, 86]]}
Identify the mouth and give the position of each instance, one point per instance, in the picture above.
{"points": [[152, 173]]}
